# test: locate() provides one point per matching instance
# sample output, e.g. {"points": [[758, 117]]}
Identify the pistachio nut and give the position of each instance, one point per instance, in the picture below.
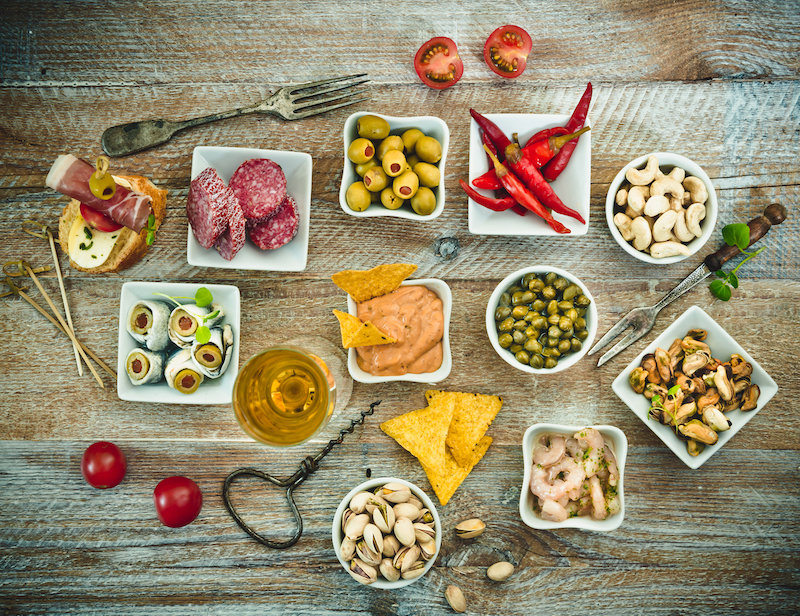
{"points": [[694, 361], [426, 517], [455, 599], [373, 502], [416, 502], [427, 549], [359, 502], [750, 398], [723, 384], [395, 492], [638, 379], [390, 545], [388, 571], [663, 363], [414, 571], [365, 553], [406, 510], [347, 549], [423, 532], [383, 517], [406, 557], [698, 431], [694, 447], [348, 513], [356, 525], [404, 531], [469, 529], [500, 572], [715, 420], [373, 538], [362, 572]]}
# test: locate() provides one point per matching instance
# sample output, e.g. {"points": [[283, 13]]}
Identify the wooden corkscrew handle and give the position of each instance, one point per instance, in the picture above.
{"points": [[775, 214]]}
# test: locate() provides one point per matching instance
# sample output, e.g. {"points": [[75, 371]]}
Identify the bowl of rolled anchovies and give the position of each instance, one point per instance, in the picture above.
{"points": [[386, 533]]}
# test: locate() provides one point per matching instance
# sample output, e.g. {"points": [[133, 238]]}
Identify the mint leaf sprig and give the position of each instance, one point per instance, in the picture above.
{"points": [[734, 235], [657, 404]]}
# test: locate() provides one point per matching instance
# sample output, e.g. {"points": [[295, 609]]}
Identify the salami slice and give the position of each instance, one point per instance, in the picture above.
{"points": [[234, 237], [278, 230], [208, 206], [260, 186]]}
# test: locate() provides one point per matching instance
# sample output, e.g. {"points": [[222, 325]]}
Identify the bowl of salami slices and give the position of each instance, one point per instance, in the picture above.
{"points": [[249, 209]]}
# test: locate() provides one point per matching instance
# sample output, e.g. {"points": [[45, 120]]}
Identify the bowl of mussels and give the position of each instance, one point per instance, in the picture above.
{"points": [[541, 319]]}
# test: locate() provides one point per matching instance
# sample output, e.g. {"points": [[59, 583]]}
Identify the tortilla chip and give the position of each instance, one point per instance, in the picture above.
{"points": [[356, 334], [422, 432], [364, 285], [446, 480], [473, 415]]}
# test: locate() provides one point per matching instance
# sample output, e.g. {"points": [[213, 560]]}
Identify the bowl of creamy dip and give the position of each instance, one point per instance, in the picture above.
{"points": [[417, 315]]}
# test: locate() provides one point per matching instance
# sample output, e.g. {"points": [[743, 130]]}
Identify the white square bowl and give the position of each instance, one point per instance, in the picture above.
{"points": [[431, 127], [211, 391], [573, 186], [722, 347], [619, 444], [443, 291], [290, 257]]}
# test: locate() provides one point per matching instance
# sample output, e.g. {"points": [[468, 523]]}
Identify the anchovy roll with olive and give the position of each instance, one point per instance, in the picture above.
{"points": [[144, 366], [148, 324], [213, 357], [181, 372], [187, 318]]}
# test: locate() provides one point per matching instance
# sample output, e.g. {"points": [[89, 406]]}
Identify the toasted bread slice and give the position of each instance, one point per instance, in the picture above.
{"points": [[130, 247]]}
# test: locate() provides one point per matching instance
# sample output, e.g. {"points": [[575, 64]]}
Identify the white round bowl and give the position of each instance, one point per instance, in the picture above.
{"points": [[563, 362], [368, 486], [619, 444], [432, 127], [666, 161]]}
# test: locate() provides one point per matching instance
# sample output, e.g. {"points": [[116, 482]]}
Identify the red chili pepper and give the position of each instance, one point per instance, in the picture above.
{"points": [[496, 205], [497, 136], [523, 196], [556, 131], [541, 151], [487, 181], [554, 168], [528, 173], [488, 143]]}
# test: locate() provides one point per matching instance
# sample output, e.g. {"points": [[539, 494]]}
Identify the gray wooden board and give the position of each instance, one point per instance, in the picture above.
{"points": [[715, 81]]}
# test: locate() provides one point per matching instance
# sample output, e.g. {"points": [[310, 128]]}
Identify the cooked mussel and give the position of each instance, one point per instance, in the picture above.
{"points": [[147, 323], [144, 366], [638, 379], [664, 364], [694, 361], [740, 367], [750, 398], [649, 364], [698, 431], [181, 373]]}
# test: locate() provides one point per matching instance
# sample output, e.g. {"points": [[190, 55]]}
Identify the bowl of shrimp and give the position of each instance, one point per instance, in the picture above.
{"points": [[573, 477]]}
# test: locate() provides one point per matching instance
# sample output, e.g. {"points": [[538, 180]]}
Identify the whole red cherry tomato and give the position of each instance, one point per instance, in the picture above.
{"points": [[103, 465], [178, 501], [506, 51], [437, 63]]}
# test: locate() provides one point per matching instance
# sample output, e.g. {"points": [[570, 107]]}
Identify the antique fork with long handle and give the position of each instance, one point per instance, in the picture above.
{"points": [[290, 103]]}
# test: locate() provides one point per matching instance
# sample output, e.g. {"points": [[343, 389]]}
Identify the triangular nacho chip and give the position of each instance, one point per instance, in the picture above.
{"points": [[356, 334], [364, 285], [445, 481], [422, 432], [473, 415]]}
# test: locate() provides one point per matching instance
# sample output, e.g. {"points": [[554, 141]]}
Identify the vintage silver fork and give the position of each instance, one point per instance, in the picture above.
{"points": [[290, 103]]}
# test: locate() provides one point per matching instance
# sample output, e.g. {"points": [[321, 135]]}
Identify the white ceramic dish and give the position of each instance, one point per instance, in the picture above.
{"points": [[291, 257], [573, 186], [211, 391], [619, 444], [722, 347], [563, 362], [443, 291], [368, 486], [667, 161], [430, 126]]}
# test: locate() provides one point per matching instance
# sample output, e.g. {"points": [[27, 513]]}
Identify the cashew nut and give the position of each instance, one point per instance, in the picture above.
{"points": [[642, 177], [637, 195], [657, 204], [662, 229], [667, 185], [676, 204], [696, 188], [622, 196], [687, 198], [694, 214], [641, 233], [623, 223], [680, 229], [676, 174], [659, 250]]}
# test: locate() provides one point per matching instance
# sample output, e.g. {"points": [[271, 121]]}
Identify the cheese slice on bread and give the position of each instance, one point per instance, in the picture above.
{"points": [[98, 252]]}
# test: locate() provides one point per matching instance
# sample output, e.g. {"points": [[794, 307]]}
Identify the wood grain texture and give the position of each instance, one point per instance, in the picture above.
{"points": [[717, 81]]}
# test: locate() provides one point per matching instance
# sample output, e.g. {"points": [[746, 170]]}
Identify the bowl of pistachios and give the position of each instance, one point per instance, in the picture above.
{"points": [[386, 533]]}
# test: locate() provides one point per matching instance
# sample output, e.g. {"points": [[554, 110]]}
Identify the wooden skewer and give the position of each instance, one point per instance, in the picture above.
{"points": [[67, 328], [64, 298]]}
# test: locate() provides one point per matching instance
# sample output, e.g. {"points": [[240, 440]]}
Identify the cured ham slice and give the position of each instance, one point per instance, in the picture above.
{"points": [[70, 176]]}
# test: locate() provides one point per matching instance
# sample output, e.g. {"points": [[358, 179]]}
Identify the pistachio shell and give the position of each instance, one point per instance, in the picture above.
{"points": [[406, 510], [423, 532], [388, 571], [427, 549], [500, 572], [390, 545], [359, 502], [395, 493], [347, 549], [414, 571], [455, 598], [348, 513], [356, 525], [383, 517], [406, 557], [404, 531], [365, 553], [373, 538], [362, 572], [469, 529], [415, 501]]}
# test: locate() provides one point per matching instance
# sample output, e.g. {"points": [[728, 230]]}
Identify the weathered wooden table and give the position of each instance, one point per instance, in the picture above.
{"points": [[716, 81]]}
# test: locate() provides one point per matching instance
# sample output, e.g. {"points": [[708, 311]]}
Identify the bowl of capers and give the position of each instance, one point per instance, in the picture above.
{"points": [[394, 166], [541, 319]]}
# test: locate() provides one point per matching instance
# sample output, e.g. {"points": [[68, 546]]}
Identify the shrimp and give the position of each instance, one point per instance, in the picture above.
{"points": [[598, 501], [553, 511], [611, 462], [547, 456], [542, 488], [574, 447], [574, 471], [594, 444]]}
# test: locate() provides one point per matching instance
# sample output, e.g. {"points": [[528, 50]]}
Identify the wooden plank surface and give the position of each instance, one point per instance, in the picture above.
{"points": [[715, 81]]}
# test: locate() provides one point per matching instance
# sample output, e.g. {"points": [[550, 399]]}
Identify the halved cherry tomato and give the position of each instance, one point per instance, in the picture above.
{"points": [[103, 465], [437, 63], [506, 51], [98, 220]]}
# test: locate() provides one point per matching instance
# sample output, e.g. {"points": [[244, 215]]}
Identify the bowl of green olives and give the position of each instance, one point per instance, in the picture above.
{"points": [[541, 319], [394, 166]]}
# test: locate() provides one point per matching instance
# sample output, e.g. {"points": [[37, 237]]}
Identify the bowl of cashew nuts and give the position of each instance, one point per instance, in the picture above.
{"points": [[661, 208]]}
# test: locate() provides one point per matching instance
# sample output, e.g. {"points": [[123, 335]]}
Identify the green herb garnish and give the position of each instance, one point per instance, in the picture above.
{"points": [[734, 235], [203, 297], [85, 247], [203, 334], [151, 230]]}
